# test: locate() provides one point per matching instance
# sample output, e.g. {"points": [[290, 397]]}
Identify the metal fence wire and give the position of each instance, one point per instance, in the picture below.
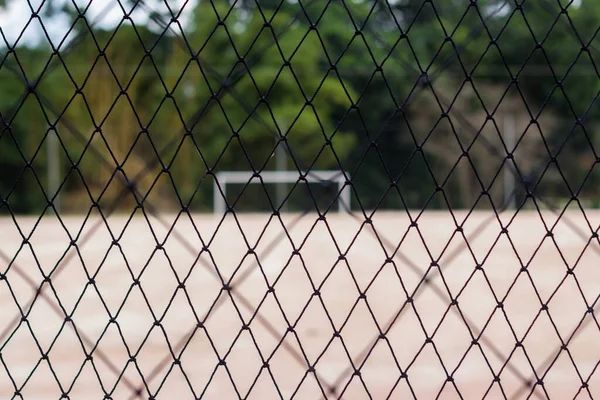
{"points": [[307, 199]]}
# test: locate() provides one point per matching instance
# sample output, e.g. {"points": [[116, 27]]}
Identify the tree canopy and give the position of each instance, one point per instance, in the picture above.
{"points": [[395, 93]]}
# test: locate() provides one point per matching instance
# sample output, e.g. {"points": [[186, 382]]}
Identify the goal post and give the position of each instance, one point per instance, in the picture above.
{"points": [[240, 177]]}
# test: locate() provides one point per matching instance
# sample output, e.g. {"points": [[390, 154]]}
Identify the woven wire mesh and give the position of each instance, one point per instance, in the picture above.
{"points": [[464, 265]]}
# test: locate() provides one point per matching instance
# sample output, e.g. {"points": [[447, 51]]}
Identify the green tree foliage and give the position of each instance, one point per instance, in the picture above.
{"points": [[165, 104]]}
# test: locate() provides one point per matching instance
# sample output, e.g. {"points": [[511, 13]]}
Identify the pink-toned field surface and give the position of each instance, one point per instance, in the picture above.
{"points": [[167, 338]]}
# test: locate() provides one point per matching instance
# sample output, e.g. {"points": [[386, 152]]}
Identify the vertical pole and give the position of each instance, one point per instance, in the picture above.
{"points": [[281, 165], [509, 172], [53, 167], [218, 201], [344, 200]]}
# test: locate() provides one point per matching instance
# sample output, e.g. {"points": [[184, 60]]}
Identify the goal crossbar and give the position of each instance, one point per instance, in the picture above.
{"points": [[240, 177]]}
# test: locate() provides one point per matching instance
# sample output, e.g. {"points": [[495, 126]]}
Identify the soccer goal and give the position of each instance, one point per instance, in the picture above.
{"points": [[241, 177]]}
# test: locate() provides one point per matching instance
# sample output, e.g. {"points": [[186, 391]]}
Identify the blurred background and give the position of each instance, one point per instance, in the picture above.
{"points": [[120, 106], [160, 95]]}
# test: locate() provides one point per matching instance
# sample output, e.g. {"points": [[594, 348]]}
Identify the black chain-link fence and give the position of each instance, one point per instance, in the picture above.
{"points": [[299, 199]]}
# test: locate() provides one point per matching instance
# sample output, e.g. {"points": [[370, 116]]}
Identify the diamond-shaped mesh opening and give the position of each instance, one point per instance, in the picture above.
{"points": [[299, 199]]}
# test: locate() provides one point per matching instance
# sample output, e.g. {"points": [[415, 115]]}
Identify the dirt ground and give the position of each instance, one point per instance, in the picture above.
{"points": [[286, 307]]}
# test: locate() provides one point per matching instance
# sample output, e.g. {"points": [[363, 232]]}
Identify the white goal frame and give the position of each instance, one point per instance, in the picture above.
{"points": [[225, 177]]}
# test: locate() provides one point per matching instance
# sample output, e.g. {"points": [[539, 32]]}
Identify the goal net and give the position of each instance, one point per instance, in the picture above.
{"points": [[280, 177]]}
